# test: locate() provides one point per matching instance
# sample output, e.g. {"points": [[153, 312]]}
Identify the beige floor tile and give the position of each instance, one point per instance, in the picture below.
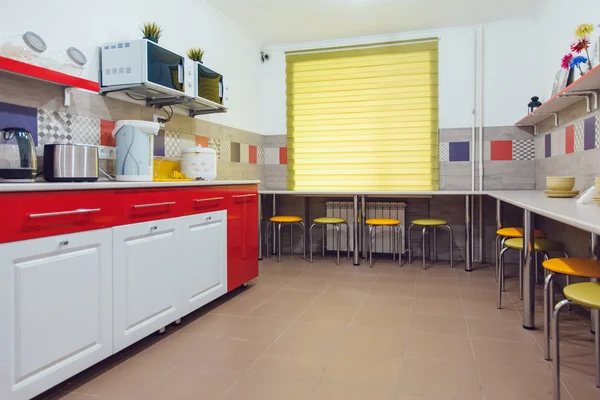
{"points": [[56, 395], [329, 391], [226, 353], [252, 388], [295, 296], [502, 353], [440, 270], [581, 387], [210, 324], [438, 380], [310, 282], [270, 309], [503, 383], [489, 311], [350, 287], [437, 325], [187, 383], [339, 299], [436, 292], [453, 308], [328, 313], [321, 334], [577, 360], [480, 283], [290, 361], [369, 339], [382, 319], [498, 330], [257, 329], [432, 280], [237, 306], [405, 270], [393, 288], [479, 296], [438, 347], [362, 369], [172, 349]]}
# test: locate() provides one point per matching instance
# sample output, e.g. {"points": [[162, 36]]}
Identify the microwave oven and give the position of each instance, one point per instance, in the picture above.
{"points": [[143, 67], [208, 83]]}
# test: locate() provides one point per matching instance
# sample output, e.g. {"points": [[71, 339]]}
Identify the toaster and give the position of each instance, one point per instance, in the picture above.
{"points": [[70, 163]]}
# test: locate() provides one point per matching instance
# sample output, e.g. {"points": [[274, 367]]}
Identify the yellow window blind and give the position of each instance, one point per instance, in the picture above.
{"points": [[363, 118]]}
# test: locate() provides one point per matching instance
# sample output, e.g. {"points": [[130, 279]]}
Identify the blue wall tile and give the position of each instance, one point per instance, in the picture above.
{"points": [[159, 144], [548, 145], [589, 133], [459, 151], [13, 116]]}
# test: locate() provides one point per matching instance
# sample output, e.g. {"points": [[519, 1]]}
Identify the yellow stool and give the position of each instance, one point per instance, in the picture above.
{"points": [[392, 223], [582, 267], [292, 220], [541, 246], [504, 234], [586, 294], [426, 224], [337, 235]]}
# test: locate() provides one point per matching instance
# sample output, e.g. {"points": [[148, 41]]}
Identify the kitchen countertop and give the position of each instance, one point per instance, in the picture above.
{"points": [[373, 193], [110, 185], [583, 216]]}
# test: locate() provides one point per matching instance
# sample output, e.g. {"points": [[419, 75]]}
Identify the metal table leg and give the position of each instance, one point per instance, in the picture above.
{"points": [[595, 314], [274, 229], [260, 251], [498, 227], [362, 229], [355, 231], [468, 232], [528, 271]]}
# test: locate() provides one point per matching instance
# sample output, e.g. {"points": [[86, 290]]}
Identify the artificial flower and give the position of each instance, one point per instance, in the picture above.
{"points": [[578, 60], [584, 30], [566, 61], [580, 45]]}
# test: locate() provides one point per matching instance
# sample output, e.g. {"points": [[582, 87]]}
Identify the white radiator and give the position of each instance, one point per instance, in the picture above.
{"points": [[383, 238]]}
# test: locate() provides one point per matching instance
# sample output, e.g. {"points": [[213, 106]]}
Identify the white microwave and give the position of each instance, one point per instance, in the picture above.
{"points": [[142, 66]]}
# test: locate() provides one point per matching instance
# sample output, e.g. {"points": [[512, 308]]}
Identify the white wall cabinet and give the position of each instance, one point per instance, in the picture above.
{"points": [[204, 265], [55, 310], [147, 289]]}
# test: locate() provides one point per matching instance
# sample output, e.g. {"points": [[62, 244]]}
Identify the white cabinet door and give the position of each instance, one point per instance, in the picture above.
{"points": [[55, 310], [147, 261], [204, 266]]}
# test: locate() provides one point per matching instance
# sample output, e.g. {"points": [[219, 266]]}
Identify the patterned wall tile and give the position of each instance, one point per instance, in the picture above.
{"points": [[225, 150], [172, 144], [578, 136], [215, 143], [187, 141], [597, 130], [444, 152], [261, 155], [523, 150], [244, 153], [501, 150], [459, 151], [13, 116], [589, 133], [86, 130], [106, 137], [54, 127], [271, 155], [570, 139]]}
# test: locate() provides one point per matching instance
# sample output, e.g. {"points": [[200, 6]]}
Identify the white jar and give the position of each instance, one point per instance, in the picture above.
{"points": [[69, 61], [25, 47], [199, 163]]}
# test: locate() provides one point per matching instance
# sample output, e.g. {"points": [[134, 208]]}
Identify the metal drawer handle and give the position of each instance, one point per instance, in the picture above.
{"points": [[53, 214], [211, 199], [244, 195], [166, 203]]}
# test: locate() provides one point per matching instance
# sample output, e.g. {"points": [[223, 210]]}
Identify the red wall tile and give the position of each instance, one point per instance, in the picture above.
{"points": [[202, 141], [283, 155], [570, 139], [501, 150], [106, 138], [252, 154]]}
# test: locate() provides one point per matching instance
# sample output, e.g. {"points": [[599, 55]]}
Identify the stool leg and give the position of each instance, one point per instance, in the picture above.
{"points": [[535, 263], [310, 240], [497, 254], [279, 242], [323, 240], [348, 239], [548, 301], [338, 241], [501, 278], [596, 327], [556, 355], [399, 244], [303, 239], [520, 274], [267, 239], [291, 239], [434, 230], [451, 245], [424, 262], [370, 246], [409, 245]]}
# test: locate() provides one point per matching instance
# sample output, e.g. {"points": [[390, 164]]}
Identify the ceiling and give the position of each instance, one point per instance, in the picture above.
{"points": [[293, 21]]}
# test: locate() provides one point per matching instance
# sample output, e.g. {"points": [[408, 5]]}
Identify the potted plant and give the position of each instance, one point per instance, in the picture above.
{"points": [[152, 31], [195, 54]]}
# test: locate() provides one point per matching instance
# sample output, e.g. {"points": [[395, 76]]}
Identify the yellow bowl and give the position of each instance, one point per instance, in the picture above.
{"points": [[560, 182]]}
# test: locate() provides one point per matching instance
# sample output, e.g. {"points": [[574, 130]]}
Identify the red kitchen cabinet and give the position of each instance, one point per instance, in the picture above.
{"points": [[242, 235], [199, 200], [143, 205]]}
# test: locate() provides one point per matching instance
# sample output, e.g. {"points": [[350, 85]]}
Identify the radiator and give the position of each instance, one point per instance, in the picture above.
{"points": [[383, 238]]}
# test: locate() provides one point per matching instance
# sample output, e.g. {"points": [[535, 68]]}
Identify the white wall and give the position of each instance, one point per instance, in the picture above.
{"points": [[186, 23], [553, 32]]}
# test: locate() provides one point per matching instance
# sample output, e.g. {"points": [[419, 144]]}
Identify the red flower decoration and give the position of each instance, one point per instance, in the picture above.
{"points": [[566, 61], [580, 45]]}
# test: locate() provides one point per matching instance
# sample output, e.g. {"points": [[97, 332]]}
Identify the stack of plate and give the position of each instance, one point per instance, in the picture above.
{"points": [[561, 187], [597, 198], [561, 194]]}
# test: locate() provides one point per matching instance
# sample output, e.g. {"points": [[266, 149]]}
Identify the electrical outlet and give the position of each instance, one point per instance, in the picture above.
{"points": [[107, 153]]}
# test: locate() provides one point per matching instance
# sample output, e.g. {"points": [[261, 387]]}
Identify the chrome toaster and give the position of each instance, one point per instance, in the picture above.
{"points": [[70, 163]]}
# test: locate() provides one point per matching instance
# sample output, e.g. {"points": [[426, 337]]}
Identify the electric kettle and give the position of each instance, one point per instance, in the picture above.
{"points": [[18, 161], [135, 150]]}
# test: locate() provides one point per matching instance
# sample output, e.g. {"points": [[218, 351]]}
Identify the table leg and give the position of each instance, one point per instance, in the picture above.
{"points": [[498, 227], [469, 236], [595, 254], [274, 229], [260, 251], [528, 271], [362, 229], [355, 231]]}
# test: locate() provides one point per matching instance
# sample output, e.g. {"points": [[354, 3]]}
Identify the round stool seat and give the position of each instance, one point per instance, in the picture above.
{"points": [[540, 244], [584, 267], [586, 294], [382, 222], [429, 222], [516, 233], [286, 219], [328, 220]]}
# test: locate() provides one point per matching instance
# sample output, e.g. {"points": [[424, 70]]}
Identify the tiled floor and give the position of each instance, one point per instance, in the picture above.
{"points": [[323, 332]]}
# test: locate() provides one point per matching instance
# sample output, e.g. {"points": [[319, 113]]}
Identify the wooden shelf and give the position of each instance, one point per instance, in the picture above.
{"points": [[564, 99], [48, 75]]}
